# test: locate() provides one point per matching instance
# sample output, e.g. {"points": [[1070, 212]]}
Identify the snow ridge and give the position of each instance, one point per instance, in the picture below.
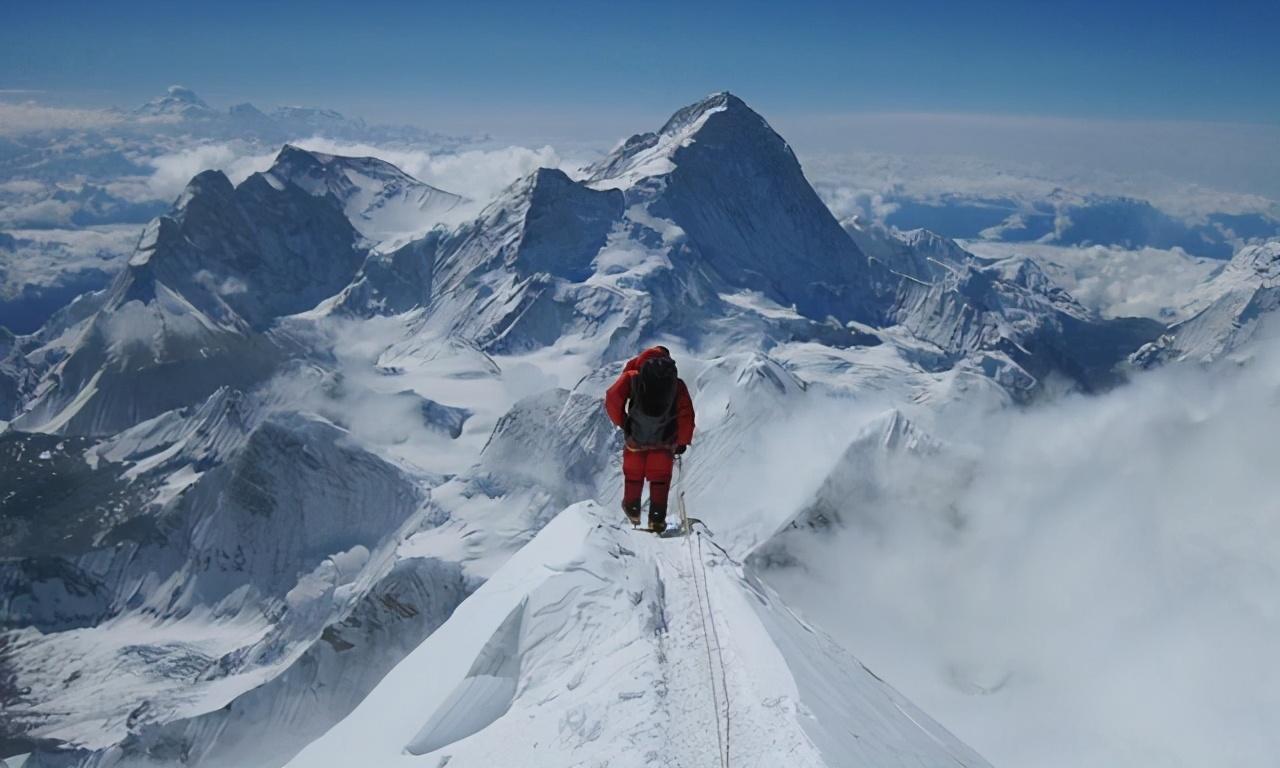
{"points": [[381, 201], [585, 644]]}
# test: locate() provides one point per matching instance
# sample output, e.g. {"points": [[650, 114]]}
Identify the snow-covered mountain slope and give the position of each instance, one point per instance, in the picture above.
{"points": [[590, 642], [232, 552], [1005, 316], [187, 314], [846, 488], [381, 201], [717, 171], [1013, 317], [919, 253], [1230, 307]]}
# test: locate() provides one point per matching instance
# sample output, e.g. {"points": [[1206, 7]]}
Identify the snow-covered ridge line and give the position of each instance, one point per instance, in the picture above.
{"points": [[383, 203], [650, 154], [587, 642]]}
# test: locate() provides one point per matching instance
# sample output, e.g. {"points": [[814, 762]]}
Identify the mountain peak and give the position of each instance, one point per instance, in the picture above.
{"points": [[183, 93], [178, 101], [205, 184], [247, 110], [653, 154], [292, 161], [1261, 259], [381, 200], [292, 156], [313, 171], [723, 101]]}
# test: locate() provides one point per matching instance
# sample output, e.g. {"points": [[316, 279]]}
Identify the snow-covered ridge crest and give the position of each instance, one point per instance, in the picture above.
{"points": [[588, 643], [651, 154], [383, 202]]}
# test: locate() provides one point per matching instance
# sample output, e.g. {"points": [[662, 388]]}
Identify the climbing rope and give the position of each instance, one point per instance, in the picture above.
{"points": [[704, 611], [715, 633]]}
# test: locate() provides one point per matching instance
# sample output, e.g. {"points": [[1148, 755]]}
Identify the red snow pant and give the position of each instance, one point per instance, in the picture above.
{"points": [[654, 465]]}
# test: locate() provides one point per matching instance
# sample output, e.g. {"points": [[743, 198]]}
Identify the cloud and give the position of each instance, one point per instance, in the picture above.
{"points": [[175, 169], [479, 174], [1089, 582], [847, 180], [229, 286], [28, 117], [44, 258], [1114, 281], [41, 213], [1162, 157], [24, 187]]}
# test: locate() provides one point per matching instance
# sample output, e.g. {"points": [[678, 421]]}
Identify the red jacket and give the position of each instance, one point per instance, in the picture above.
{"points": [[615, 400]]}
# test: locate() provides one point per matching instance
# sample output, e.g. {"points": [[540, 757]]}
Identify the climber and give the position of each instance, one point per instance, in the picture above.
{"points": [[652, 407]]}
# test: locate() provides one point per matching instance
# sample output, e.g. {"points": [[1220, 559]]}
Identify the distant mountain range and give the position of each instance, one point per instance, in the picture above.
{"points": [[1066, 219], [181, 109]]}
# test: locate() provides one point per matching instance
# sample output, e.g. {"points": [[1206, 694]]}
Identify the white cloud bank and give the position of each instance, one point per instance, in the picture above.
{"points": [[1089, 583], [28, 117], [1114, 281], [1171, 162], [175, 169], [848, 180], [478, 174]]}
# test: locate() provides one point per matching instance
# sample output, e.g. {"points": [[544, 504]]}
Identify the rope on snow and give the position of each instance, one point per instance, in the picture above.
{"points": [[704, 611]]}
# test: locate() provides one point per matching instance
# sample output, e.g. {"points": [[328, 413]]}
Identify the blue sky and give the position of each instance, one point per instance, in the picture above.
{"points": [[1177, 92], [448, 63]]}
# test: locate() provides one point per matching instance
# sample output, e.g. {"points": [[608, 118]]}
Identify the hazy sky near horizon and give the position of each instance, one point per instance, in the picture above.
{"points": [[428, 61], [1179, 87]]}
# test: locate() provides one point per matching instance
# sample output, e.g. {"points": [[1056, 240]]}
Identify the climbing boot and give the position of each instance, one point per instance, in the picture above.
{"points": [[657, 517], [632, 509]]}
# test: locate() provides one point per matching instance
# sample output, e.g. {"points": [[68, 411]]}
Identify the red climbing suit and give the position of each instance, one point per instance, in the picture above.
{"points": [[648, 463]]}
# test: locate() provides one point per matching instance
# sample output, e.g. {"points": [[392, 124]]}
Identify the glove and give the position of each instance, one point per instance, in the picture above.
{"points": [[680, 449]]}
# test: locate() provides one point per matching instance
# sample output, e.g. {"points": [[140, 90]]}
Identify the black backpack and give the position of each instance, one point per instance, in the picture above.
{"points": [[651, 413]]}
